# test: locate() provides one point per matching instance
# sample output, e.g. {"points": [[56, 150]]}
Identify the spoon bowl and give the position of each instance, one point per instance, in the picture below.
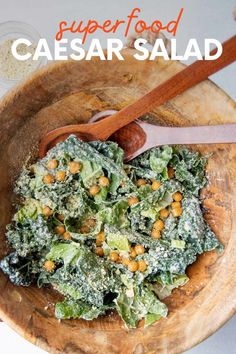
{"points": [[131, 138]]}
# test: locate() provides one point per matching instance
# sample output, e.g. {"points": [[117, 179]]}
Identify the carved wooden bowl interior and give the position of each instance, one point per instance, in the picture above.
{"points": [[69, 93]]}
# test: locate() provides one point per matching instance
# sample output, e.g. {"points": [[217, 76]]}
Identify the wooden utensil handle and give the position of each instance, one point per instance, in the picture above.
{"points": [[190, 76], [214, 134]]}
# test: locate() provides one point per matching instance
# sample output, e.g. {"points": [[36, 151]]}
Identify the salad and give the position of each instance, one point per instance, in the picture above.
{"points": [[109, 235]]}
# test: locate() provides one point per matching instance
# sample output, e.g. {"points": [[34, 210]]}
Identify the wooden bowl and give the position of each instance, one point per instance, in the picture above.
{"points": [[69, 93]]}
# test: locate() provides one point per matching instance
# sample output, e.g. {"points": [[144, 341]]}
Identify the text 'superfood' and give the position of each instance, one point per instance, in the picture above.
{"points": [[108, 235]]}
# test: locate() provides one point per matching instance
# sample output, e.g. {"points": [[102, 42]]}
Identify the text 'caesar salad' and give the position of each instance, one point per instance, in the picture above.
{"points": [[109, 235]]}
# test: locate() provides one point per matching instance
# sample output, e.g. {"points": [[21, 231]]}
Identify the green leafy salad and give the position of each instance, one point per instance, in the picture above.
{"points": [[109, 235]]}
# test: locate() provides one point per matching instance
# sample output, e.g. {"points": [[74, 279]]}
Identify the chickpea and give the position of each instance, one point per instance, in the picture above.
{"points": [[133, 266], [47, 211], [125, 261], [176, 212], [133, 201], [52, 164], [104, 181], [159, 225], [122, 184], [60, 176], [142, 265], [164, 213], [140, 182], [133, 253], [176, 205], [66, 236], [99, 251], [49, 266], [119, 260], [74, 167], [48, 179], [94, 190], [139, 249], [171, 172], [60, 217], [59, 230], [155, 185], [114, 256], [84, 229], [156, 233], [177, 196], [100, 238], [98, 242]]}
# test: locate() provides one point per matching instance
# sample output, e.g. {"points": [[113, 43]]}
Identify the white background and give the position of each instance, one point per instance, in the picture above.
{"points": [[201, 19]]}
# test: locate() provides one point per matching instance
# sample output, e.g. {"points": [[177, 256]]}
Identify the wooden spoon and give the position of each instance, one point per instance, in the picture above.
{"points": [[142, 136]]}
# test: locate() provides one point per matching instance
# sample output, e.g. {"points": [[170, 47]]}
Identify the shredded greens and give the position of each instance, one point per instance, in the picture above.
{"points": [[108, 235]]}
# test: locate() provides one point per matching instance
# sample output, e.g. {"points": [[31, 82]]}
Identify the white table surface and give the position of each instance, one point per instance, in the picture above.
{"points": [[201, 19]]}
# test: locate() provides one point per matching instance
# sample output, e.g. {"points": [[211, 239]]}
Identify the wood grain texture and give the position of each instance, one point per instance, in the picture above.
{"points": [[70, 93]]}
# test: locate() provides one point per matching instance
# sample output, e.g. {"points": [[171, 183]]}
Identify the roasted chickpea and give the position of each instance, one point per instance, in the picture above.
{"points": [[171, 172], [59, 230], [74, 167], [114, 256], [52, 164], [140, 182], [133, 201], [47, 211], [100, 238], [84, 229], [176, 212], [49, 266], [104, 181], [133, 266], [142, 265], [66, 235], [164, 213], [139, 249], [93, 190], [99, 251], [48, 179], [155, 185], [125, 261], [177, 196], [159, 225], [119, 260], [60, 217], [176, 205], [156, 233], [60, 176], [133, 253]]}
